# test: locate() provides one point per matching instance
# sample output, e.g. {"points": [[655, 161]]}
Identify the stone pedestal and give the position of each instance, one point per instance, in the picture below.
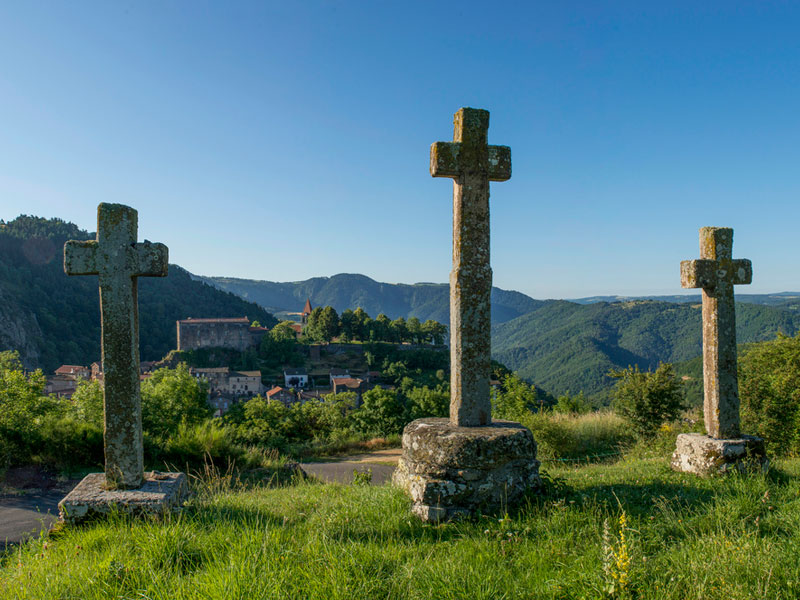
{"points": [[450, 471], [159, 493], [704, 455]]}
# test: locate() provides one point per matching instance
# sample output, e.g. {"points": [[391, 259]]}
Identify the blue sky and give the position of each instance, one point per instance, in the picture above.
{"points": [[288, 140]]}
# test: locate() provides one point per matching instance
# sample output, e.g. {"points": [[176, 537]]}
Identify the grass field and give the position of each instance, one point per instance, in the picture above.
{"points": [[630, 529]]}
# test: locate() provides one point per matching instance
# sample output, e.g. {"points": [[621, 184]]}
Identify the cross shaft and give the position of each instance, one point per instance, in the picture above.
{"points": [[118, 260], [716, 272], [472, 164]]}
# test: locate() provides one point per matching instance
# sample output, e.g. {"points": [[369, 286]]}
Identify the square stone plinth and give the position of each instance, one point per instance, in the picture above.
{"points": [[450, 471], [704, 455], [159, 493]]}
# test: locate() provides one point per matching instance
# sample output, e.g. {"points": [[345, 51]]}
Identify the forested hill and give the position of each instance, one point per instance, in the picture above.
{"points": [[343, 291], [53, 319], [564, 346]]}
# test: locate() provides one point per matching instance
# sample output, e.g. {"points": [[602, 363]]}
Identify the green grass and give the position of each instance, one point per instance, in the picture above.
{"points": [[685, 537]]}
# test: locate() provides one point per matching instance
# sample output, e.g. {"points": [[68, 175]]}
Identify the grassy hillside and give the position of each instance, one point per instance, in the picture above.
{"points": [[421, 300], [54, 319], [567, 346], [633, 529]]}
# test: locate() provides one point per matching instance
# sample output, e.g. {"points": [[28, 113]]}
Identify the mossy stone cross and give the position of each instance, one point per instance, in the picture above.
{"points": [[118, 260], [472, 164], [716, 272]]}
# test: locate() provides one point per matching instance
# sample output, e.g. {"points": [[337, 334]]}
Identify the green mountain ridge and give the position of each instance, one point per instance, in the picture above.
{"points": [[559, 345], [346, 290], [53, 319], [564, 346]]}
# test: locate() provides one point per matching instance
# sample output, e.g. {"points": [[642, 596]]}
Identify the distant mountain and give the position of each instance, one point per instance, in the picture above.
{"points": [[568, 346], [789, 300], [53, 319], [343, 291], [559, 345]]}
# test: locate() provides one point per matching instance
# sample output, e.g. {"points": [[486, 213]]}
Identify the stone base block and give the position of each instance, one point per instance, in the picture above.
{"points": [[450, 471], [159, 493], [705, 455]]}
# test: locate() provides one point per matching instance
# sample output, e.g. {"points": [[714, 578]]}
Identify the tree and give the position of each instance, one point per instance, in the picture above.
{"points": [[769, 388], [398, 330], [283, 332], [361, 326], [279, 346], [328, 324], [647, 399], [349, 325], [515, 400], [572, 405], [414, 328], [434, 331], [23, 406], [427, 402], [311, 325], [88, 402], [382, 327], [255, 324], [171, 397], [381, 414]]}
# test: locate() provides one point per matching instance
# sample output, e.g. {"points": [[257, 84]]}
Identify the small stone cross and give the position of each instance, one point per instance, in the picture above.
{"points": [[716, 273], [472, 164], [119, 260]]}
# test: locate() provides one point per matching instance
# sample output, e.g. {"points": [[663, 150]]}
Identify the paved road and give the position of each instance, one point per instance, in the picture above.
{"points": [[342, 471], [26, 515]]}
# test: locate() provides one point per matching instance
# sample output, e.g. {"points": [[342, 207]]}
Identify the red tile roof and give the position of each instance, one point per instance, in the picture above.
{"points": [[276, 390], [70, 369], [307, 308]]}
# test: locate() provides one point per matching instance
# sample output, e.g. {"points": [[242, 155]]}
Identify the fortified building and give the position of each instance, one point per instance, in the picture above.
{"points": [[218, 333]]}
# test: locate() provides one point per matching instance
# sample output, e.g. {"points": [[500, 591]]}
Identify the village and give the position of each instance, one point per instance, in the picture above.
{"points": [[333, 368]]}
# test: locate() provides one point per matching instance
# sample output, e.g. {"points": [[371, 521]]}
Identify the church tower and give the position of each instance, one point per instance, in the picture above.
{"points": [[306, 312]]}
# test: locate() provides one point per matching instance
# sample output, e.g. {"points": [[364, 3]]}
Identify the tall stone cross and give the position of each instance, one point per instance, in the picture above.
{"points": [[472, 164], [119, 260], [716, 273]]}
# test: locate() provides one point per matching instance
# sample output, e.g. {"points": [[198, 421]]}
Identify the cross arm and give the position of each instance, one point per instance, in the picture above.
{"points": [[444, 159], [80, 258], [742, 271], [499, 163], [152, 259], [699, 273]]}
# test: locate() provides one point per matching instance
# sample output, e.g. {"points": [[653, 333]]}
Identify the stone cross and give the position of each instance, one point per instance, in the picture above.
{"points": [[119, 260], [472, 164], [716, 273]]}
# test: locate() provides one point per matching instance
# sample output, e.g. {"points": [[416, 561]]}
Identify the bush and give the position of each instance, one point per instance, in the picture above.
{"points": [[66, 443], [769, 387], [572, 405], [647, 399], [515, 400]]}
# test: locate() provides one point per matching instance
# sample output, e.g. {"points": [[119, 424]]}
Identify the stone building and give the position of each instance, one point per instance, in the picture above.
{"points": [[233, 333], [295, 378], [281, 394], [73, 371], [64, 381], [224, 383]]}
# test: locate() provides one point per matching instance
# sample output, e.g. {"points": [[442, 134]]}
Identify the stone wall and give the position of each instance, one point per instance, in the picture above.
{"points": [[216, 333]]}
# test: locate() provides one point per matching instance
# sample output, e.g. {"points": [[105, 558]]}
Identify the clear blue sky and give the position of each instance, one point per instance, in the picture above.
{"points": [[285, 140]]}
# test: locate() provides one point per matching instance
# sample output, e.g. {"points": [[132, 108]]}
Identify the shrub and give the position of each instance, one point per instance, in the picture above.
{"points": [[769, 387], [647, 399], [575, 405], [515, 400]]}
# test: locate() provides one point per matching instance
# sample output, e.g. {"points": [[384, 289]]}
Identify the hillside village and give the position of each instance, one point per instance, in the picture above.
{"points": [[329, 368]]}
